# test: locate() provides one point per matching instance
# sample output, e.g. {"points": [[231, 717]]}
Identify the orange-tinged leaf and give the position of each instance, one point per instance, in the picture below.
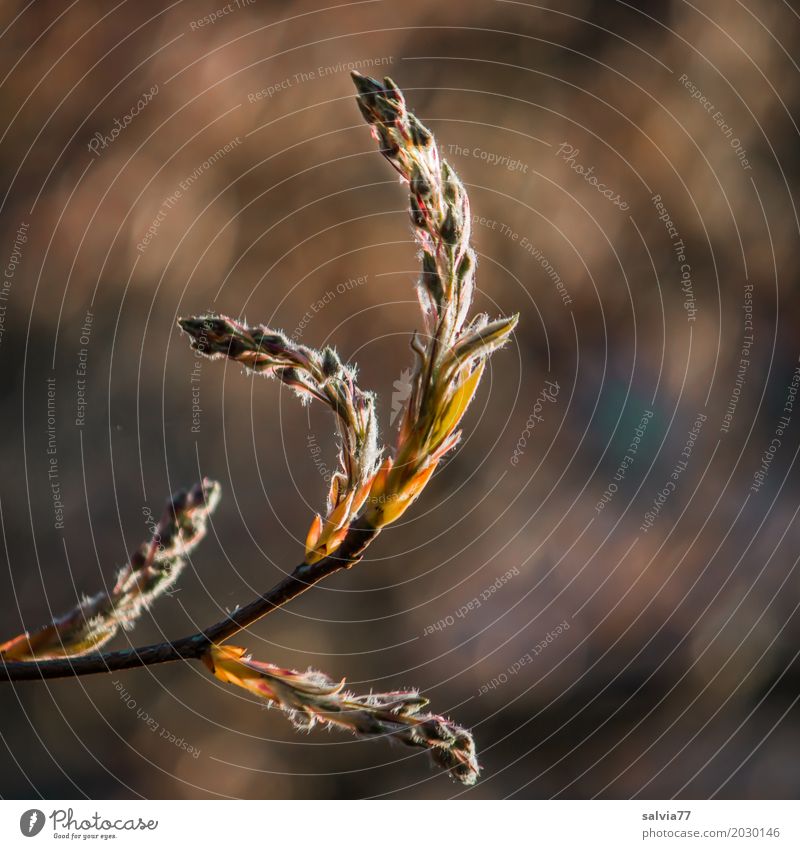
{"points": [[334, 540], [331, 531], [393, 508], [361, 496], [379, 482], [16, 649], [457, 406], [313, 533], [419, 480], [450, 442], [233, 665], [45, 644], [339, 515], [310, 698], [333, 494]]}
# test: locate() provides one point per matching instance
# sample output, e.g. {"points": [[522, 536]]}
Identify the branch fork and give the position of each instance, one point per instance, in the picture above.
{"points": [[370, 489]]}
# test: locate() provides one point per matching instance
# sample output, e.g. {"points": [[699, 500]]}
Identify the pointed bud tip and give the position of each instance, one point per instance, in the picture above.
{"points": [[192, 324], [211, 492], [365, 84]]}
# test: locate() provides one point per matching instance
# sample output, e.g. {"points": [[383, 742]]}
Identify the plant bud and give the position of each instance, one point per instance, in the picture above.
{"points": [[449, 228], [331, 364], [420, 134], [466, 265]]}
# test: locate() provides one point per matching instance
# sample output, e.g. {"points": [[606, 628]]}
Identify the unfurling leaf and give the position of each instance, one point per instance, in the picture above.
{"points": [[451, 357], [310, 698], [153, 569], [313, 374]]}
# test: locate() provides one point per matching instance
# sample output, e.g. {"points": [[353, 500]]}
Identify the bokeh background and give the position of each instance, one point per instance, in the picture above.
{"points": [[678, 672]]}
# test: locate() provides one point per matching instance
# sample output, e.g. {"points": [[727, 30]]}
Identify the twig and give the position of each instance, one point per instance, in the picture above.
{"points": [[196, 645]]}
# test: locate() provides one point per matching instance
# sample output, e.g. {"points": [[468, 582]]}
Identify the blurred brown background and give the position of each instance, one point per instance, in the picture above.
{"points": [[678, 674]]}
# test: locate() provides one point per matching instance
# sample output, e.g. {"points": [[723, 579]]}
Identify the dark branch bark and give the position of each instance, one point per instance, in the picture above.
{"points": [[194, 646]]}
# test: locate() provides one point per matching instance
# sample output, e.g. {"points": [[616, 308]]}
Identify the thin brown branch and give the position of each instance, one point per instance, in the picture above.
{"points": [[195, 646]]}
